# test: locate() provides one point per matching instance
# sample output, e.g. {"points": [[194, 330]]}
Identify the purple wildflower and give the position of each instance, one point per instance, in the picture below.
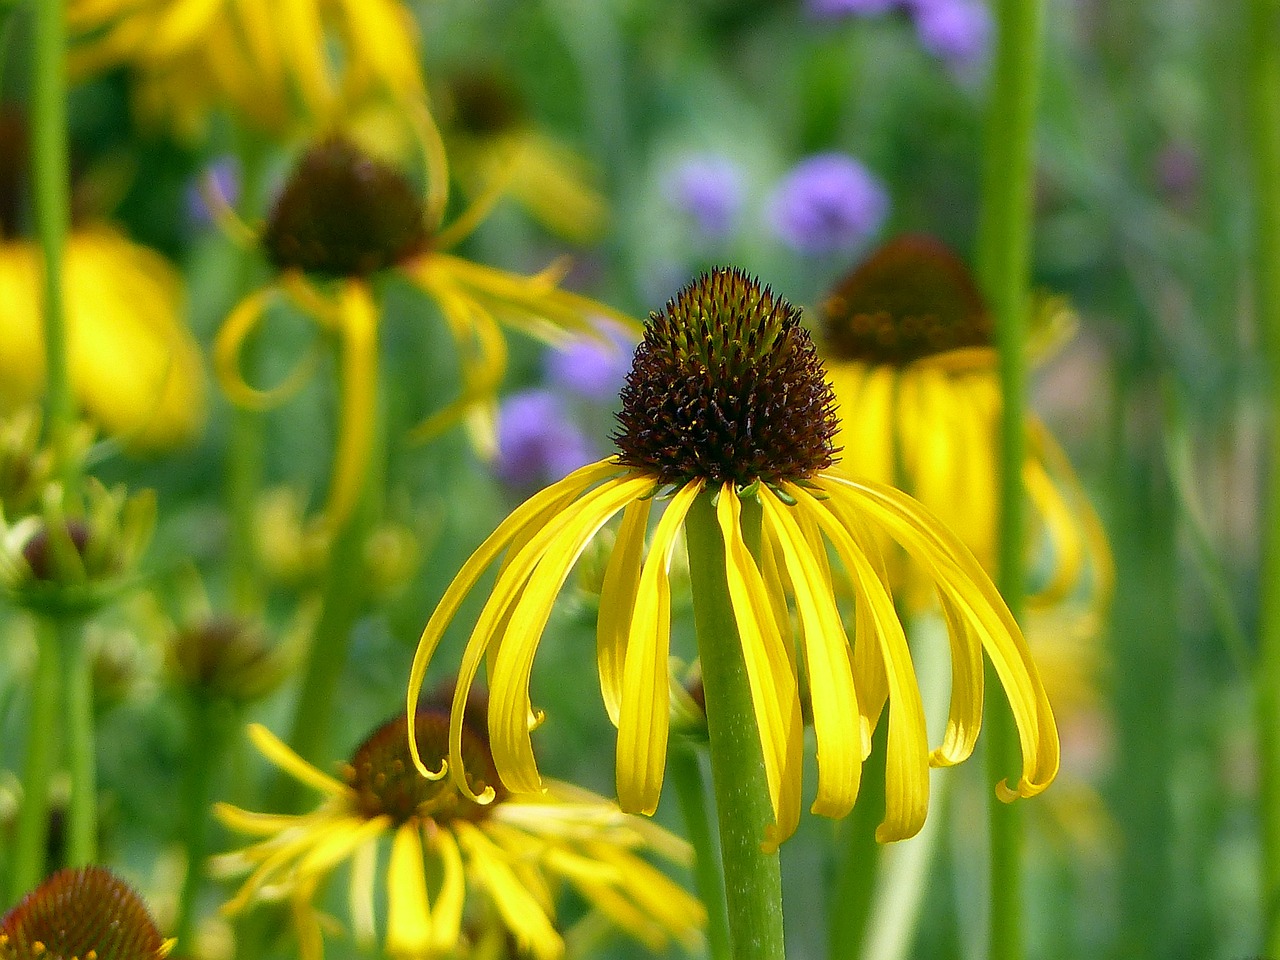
{"points": [[537, 442], [709, 188], [827, 203], [957, 32], [590, 368]]}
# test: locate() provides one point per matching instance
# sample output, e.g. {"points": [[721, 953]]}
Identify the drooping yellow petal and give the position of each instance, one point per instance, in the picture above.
{"points": [[907, 753], [229, 344], [358, 387], [409, 930], [446, 915], [770, 673], [544, 503], [973, 593], [643, 721], [618, 601], [275, 750], [360, 894], [509, 683]]}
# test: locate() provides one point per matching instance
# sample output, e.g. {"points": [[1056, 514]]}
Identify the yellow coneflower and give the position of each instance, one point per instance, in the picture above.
{"points": [[344, 217], [78, 914], [135, 367], [908, 344], [455, 866], [726, 399], [261, 59], [491, 138]]}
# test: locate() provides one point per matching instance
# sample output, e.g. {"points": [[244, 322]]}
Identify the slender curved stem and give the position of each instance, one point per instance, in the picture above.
{"points": [[1004, 254], [28, 864], [686, 773], [753, 878], [1263, 92]]}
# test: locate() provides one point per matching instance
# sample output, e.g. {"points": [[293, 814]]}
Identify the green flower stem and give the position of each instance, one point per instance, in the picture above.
{"points": [[28, 864], [1263, 88], [346, 592], [857, 867], [50, 179], [686, 773], [753, 878], [209, 726], [1003, 255], [77, 681], [245, 454]]}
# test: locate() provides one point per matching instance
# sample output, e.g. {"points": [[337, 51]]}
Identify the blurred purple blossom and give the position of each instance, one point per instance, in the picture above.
{"points": [[591, 368], [537, 442], [957, 32], [222, 175], [826, 203], [710, 188]]}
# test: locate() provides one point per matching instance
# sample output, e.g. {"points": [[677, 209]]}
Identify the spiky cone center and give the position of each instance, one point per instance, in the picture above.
{"points": [[387, 783], [483, 104], [913, 298], [83, 914], [727, 387], [344, 214], [225, 657]]}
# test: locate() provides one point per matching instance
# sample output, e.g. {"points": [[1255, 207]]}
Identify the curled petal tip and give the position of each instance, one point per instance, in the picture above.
{"points": [[1025, 788], [940, 758], [428, 772]]}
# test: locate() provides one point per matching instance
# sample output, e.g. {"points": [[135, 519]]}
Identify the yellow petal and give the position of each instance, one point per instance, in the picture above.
{"points": [[524, 917], [618, 601], [644, 720], [275, 750], [528, 515], [446, 916], [831, 690], [509, 707], [408, 908], [770, 673]]}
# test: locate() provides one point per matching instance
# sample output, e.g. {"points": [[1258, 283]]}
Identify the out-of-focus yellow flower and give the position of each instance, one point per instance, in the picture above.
{"points": [[727, 409], [135, 367], [497, 864], [345, 217], [263, 60], [908, 344], [490, 138]]}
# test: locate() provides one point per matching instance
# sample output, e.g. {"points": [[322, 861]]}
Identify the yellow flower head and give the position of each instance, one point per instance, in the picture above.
{"points": [[82, 914], [134, 366], [908, 344], [491, 137], [263, 60], [726, 409], [452, 860], [344, 217]]}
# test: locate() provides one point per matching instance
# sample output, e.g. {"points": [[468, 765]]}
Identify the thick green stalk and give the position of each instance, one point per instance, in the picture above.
{"points": [[77, 680], [49, 177], [686, 773], [28, 864], [1263, 92], [753, 879], [1003, 261], [209, 723]]}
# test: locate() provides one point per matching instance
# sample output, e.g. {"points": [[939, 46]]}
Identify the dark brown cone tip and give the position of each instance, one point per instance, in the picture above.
{"points": [[88, 914], [484, 104], [727, 386], [344, 214], [911, 299], [386, 782]]}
